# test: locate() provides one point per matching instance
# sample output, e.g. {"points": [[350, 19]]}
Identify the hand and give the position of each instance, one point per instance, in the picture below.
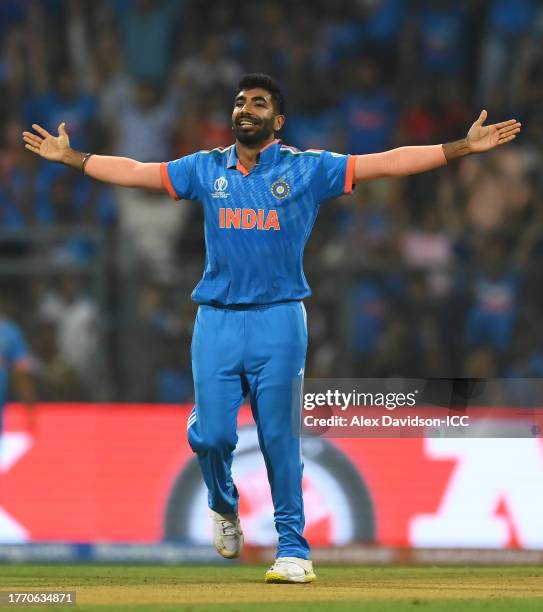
{"points": [[484, 137], [53, 148]]}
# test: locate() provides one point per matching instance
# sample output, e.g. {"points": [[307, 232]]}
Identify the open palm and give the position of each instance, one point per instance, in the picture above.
{"points": [[484, 137], [46, 145]]}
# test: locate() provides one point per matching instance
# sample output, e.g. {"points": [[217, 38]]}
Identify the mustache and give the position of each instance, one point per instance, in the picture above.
{"points": [[255, 120]]}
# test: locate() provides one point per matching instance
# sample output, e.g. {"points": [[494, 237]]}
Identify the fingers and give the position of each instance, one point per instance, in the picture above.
{"points": [[508, 135], [42, 131], [62, 129], [502, 141], [506, 123], [509, 130], [482, 117], [32, 139], [32, 148]]}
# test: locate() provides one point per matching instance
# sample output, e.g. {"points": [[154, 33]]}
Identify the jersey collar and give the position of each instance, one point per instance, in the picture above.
{"points": [[267, 155]]}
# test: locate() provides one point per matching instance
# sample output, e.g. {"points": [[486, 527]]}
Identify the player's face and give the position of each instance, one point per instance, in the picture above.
{"points": [[254, 119]]}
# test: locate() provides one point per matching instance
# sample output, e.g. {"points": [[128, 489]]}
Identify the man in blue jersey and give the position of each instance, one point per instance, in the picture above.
{"points": [[14, 360], [260, 201]]}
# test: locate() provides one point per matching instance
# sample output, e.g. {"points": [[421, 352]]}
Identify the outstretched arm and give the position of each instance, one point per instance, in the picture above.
{"points": [[117, 170], [412, 160]]}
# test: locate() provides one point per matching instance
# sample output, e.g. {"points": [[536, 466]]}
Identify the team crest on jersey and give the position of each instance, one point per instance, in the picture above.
{"points": [[280, 189], [220, 186]]}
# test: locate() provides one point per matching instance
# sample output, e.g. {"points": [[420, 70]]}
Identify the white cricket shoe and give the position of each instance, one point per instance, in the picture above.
{"points": [[291, 569], [227, 534]]}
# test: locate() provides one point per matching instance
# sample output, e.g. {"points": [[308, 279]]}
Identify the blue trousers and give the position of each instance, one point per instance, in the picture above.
{"points": [[260, 350]]}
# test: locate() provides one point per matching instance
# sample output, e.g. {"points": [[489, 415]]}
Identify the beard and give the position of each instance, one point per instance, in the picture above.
{"points": [[259, 135]]}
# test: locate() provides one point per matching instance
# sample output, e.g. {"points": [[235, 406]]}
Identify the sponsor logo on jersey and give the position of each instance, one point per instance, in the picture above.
{"points": [[247, 218], [220, 186], [280, 189]]}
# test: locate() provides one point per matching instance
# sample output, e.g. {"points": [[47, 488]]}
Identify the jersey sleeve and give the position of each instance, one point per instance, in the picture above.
{"points": [[179, 177], [17, 352], [334, 176]]}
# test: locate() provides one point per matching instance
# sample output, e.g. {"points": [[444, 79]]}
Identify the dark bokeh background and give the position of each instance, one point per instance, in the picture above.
{"points": [[433, 275]]}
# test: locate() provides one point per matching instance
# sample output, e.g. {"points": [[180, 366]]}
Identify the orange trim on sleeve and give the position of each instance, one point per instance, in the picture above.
{"points": [[349, 174], [166, 182], [242, 168]]}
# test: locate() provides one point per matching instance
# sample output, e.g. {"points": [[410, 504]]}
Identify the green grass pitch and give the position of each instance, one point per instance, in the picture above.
{"points": [[241, 588]]}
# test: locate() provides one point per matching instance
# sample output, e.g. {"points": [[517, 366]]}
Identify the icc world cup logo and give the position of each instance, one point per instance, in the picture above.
{"points": [[220, 184]]}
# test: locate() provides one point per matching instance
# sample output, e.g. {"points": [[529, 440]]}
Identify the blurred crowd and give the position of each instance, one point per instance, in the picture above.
{"points": [[432, 275]]}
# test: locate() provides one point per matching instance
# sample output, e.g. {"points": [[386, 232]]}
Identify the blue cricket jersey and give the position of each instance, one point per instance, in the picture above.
{"points": [[13, 354], [257, 223]]}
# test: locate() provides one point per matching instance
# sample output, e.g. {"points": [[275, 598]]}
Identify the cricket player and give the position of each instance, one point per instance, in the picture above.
{"points": [[15, 360], [260, 200]]}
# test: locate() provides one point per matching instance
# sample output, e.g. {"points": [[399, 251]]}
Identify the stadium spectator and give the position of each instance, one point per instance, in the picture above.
{"points": [[66, 103], [55, 379], [369, 312], [77, 334], [144, 124], [147, 28], [209, 68], [369, 110], [442, 25], [359, 76], [496, 286], [510, 28], [15, 364]]}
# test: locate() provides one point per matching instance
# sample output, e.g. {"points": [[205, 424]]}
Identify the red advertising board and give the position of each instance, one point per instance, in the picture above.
{"points": [[125, 473]]}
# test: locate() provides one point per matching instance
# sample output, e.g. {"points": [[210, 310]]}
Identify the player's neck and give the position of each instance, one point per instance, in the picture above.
{"points": [[248, 154]]}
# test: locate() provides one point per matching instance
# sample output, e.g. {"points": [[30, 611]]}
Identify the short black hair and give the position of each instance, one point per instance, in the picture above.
{"points": [[264, 81]]}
